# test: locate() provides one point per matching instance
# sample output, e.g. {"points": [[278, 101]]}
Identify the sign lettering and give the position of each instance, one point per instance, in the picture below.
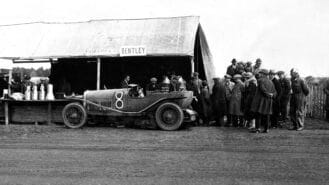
{"points": [[132, 51]]}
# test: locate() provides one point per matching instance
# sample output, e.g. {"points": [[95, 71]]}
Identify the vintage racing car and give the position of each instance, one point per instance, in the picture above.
{"points": [[164, 110]]}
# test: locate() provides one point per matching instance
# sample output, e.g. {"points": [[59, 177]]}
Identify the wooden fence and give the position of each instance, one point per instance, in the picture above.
{"points": [[315, 102]]}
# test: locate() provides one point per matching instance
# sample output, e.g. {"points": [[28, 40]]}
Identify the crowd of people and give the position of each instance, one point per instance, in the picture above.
{"points": [[251, 96], [247, 96]]}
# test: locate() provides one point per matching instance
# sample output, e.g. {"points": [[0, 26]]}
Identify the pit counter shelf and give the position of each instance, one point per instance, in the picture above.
{"points": [[32, 111]]}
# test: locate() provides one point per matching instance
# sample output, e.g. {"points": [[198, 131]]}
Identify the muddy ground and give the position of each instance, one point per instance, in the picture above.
{"points": [[51, 154]]}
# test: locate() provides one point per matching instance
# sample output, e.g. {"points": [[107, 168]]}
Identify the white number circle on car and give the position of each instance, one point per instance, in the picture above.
{"points": [[119, 101]]}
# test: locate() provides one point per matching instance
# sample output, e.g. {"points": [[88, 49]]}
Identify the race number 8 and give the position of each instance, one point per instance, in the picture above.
{"points": [[118, 98]]}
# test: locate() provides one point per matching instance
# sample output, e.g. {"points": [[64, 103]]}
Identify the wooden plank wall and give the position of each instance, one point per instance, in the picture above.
{"points": [[315, 102]]}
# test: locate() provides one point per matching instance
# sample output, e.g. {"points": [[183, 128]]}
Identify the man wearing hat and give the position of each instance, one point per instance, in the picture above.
{"points": [[256, 68], [250, 91], [232, 69], [298, 100], [228, 84], [195, 85], [276, 100], [248, 67], [285, 95], [152, 86], [262, 102], [235, 108]]}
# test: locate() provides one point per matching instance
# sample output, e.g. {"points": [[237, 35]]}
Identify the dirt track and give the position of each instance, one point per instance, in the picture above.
{"points": [[197, 155]]}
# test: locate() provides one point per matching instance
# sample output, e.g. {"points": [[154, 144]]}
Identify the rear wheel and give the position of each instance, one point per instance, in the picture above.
{"points": [[169, 116], [74, 115]]}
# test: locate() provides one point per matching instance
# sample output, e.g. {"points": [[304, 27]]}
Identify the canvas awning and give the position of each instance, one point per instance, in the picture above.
{"points": [[173, 36]]}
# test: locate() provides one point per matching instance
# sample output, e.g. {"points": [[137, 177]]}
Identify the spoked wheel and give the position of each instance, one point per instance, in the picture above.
{"points": [[74, 115], [169, 116]]}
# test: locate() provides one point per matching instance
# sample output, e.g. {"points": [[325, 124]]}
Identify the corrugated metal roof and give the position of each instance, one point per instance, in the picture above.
{"points": [[161, 36]]}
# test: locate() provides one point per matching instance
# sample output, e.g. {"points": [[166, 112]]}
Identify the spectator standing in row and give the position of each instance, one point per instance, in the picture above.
{"points": [[240, 68], [298, 100], [285, 95], [228, 93], [262, 102], [195, 85], [276, 100], [232, 69], [235, 107], [257, 66], [205, 103], [326, 92], [250, 91], [248, 67], [219, 101]]}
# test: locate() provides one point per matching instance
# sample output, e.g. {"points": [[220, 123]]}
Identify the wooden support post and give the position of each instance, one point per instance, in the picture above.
{"points": [[192, 65], [6, 113], [98, 73], [49, 113]]}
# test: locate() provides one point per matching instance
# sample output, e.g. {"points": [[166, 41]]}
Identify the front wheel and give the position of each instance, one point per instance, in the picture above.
{"points": [[74, 115], [169, 116]]}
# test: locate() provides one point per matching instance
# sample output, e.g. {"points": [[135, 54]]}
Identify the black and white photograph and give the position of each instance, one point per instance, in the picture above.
{"points": [[175, 92]]}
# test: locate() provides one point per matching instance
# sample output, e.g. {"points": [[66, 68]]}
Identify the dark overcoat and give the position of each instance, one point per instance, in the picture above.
{"points": [[205, 102], [285, 88], [299, 93], [276, 100], [250, 91], [219, 99], [235, 107], [262, 102]]}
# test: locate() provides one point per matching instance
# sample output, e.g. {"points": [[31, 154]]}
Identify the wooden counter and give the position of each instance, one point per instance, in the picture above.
{"points": [[33, 111]]}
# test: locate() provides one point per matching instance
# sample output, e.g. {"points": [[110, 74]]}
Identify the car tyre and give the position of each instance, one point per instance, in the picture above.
{"points": [[169, 116], [74, 115]]}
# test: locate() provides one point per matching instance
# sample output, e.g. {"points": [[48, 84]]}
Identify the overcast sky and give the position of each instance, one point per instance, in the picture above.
{"points": [[283, 33]]}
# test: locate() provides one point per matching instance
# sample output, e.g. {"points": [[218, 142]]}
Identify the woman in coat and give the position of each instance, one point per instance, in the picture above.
{"points": [[263, 100], [235, 108]]}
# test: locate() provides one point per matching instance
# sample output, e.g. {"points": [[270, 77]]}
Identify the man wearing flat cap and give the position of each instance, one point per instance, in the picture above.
{"points": [[250, 91], [228, 84], [233, 68], [257, 67], [152, 86], [276, 100], [235, 108], [285, 95], [298, 100], [262, 102]]}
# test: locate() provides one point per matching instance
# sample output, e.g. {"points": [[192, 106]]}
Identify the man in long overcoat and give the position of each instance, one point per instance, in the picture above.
{"points": [[250, 91], [262, 102], [298, 100], [228, 84], [285, 95], [235, 106], [276, 100], [219, 101], [205, 104]]}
